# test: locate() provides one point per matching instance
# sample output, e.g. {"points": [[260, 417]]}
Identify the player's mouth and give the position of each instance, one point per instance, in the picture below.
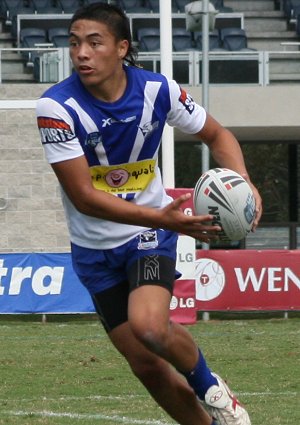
{"points": [[85, 69]]}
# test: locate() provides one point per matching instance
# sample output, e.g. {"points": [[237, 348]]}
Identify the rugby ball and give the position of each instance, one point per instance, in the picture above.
{"points": [[227, 196]]}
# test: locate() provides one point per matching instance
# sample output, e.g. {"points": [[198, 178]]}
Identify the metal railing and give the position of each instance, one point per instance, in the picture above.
{"points": [[45, 58], [242, 67]]}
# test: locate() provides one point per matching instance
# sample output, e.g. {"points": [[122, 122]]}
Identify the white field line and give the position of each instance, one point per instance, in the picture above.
{"points": [[114, 418], [141, 396], [79, 416]]}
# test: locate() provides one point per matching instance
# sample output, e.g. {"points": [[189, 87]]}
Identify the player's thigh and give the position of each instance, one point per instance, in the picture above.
{"points": [[149, 308]]}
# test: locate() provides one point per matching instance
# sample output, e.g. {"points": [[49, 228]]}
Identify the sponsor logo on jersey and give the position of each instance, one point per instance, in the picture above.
{"points": [[187, 101], [106, 122], [123, 178], [93, 139], [148, 128], [54, 131]]}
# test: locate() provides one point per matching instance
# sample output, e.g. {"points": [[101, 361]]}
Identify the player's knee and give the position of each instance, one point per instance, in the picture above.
{"points": [[155, 338]]}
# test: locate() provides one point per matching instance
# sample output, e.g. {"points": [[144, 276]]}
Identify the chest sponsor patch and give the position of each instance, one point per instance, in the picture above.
{"points": [[123, 178], [54, 131]]}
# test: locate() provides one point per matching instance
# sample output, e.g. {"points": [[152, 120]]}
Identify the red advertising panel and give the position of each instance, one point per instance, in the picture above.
{"points": [[247, 280], [233, 280]]}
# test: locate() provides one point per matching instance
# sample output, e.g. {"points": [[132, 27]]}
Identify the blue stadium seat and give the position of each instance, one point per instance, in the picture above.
{"points": [[133, 6], [182, 40], [47, 6], [219, 5], [234, 39], [59, 36], [11, 8], [179, 5], [214, 41], [70, 6], [153, 6], [148, 39], [30, 37], [289, 8], [87, 2]]}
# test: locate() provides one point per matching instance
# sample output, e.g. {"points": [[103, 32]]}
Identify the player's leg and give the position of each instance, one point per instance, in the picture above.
{"points": [[148, 314], [169, 389]]}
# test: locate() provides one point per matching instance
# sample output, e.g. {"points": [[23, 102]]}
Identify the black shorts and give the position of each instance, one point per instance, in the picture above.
{"points": [[112, 303]]}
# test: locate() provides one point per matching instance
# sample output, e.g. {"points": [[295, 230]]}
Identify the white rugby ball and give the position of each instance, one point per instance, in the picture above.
{"points": [[228, 197]]}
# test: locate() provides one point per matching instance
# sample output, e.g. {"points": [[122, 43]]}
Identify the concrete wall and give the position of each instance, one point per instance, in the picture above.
{"points": [[33, 220]]}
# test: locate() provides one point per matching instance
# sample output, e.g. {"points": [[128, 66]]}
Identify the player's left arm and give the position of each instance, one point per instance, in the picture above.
{"points": [[227, 152]]}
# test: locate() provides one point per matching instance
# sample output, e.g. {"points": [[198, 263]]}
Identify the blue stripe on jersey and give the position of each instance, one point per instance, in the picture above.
{"points": [[124, 131]]}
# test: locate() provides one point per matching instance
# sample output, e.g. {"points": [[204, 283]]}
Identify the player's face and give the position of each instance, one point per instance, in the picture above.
{"points": [[96, 55]]}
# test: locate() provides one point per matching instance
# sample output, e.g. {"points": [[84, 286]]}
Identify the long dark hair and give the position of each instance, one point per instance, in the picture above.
{"points": [[116, 21]]}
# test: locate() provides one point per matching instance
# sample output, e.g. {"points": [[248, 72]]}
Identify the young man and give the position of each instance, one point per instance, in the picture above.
{"points": [[101, 129]]}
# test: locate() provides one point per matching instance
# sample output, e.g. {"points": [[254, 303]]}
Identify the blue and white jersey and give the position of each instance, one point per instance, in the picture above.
{"points": [[120, 141]]}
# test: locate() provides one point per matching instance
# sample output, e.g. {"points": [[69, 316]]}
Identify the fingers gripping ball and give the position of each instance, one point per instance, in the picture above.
{"points": [[228, 197]]}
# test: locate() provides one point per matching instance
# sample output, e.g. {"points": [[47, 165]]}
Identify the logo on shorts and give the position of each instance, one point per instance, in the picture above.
{"points": [[148, 240]]}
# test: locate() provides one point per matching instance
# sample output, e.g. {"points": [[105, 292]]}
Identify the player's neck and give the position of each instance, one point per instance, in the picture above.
{"points": [[111, 89]]}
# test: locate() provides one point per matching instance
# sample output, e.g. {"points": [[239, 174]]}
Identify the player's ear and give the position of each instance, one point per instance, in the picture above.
{"points": [[123, 48]]}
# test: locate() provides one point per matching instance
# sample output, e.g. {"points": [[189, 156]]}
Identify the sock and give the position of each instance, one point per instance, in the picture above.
{"points": [[201, 379]]}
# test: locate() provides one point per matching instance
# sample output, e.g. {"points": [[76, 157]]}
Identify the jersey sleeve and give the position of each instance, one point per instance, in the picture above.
{"points": [[185, 114], [57, 133]]}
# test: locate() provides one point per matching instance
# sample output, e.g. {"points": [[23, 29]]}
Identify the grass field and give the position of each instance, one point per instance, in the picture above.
{"points": [[66, 372]]}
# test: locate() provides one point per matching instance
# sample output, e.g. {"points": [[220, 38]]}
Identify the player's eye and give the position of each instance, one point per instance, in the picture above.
{"points": [[73, 43]]}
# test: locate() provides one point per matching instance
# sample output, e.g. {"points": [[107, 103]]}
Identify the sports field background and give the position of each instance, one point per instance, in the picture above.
{"points": [[65, 371]]}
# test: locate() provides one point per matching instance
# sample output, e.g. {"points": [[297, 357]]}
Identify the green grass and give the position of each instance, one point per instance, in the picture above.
{"points": [[66, 372]]}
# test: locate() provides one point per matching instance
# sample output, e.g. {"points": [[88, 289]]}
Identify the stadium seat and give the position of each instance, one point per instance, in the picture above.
{"points": [[47, 6], [234, 39], [214, 41], [297, 19], [149, 39], [87, 2], [219, 5], [180, 5], [289, 8], [31, 37], [153, 6], [182, 40], [70, 6], [133, 6], [11, 8], [59, 36]]}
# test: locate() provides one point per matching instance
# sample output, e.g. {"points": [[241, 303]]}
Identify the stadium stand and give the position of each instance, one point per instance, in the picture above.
{"points": [[149, 39], [133, 6], [266, 28], [180, 5], [32, 37], [86, 2], [219, 5], [11, 8], [290, 7], [59, 36], [214, 41], [182, 40], [69, 6], [234, 39], [47, 6]]}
